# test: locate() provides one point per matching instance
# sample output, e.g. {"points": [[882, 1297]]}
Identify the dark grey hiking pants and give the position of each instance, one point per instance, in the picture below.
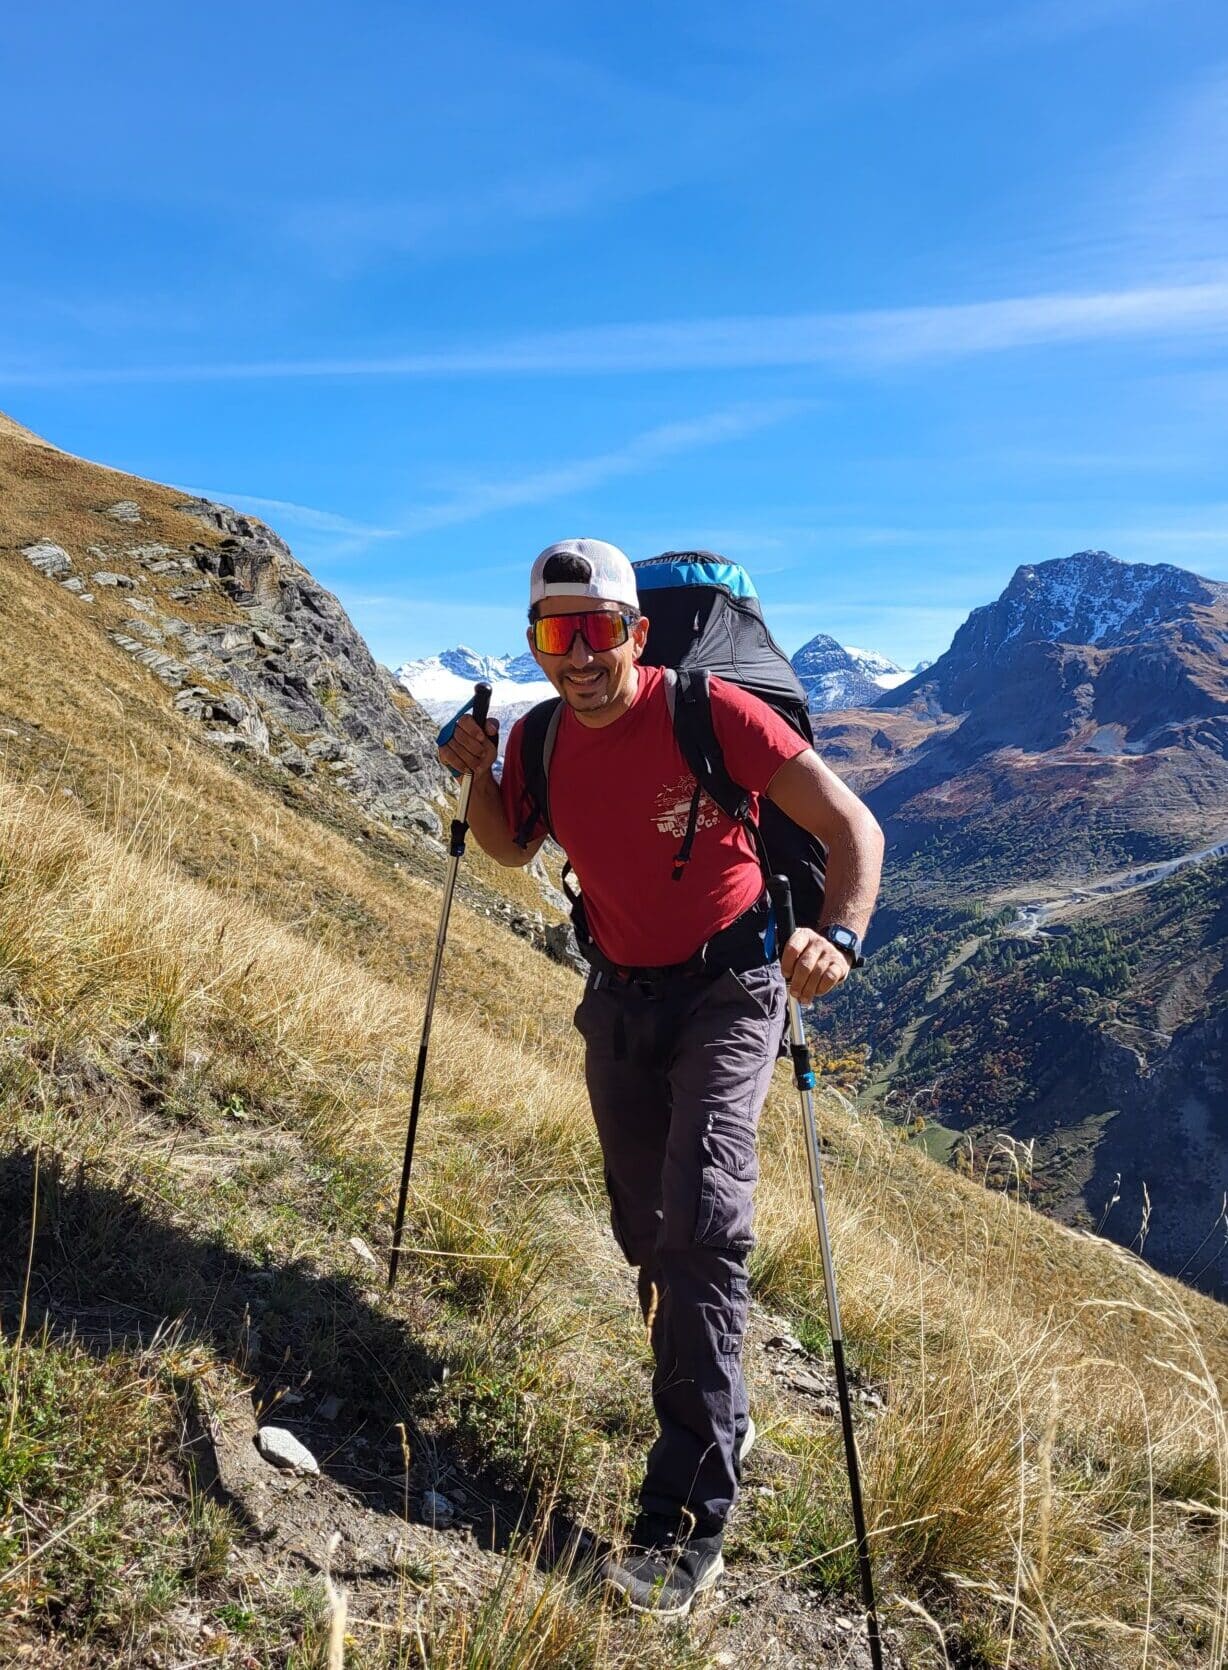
{"points": [[677, 1077]]}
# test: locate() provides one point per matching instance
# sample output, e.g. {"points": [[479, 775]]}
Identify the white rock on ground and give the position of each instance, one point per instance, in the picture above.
{"points": [[283, 1449]]}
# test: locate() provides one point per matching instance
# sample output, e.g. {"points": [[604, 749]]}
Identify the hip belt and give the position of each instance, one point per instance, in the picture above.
{"points": [[748, 941]]}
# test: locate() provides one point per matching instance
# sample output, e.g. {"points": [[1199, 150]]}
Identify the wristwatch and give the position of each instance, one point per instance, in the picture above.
{"points": [[846, 940]]}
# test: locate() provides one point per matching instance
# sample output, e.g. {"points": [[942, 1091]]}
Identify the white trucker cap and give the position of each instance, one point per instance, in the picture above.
{"points": [[610, 574]]}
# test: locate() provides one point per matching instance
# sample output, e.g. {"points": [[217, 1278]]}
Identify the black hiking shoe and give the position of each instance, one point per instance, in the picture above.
{"points": [[660, 1571]]}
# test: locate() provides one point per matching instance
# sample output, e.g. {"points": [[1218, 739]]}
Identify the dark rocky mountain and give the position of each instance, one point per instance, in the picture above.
{"points": [[1091, 600], [1052, 949]]}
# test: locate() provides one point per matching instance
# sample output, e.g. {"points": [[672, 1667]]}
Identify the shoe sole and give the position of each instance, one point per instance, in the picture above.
{"points": [[706, 1582]]}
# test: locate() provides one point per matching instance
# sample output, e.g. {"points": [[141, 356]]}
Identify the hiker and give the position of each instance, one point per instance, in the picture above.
{"points": [[683, 1010]]}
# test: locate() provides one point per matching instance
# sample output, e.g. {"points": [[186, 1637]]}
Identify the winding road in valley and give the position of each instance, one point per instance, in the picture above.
{"points": [[1032, 914]]}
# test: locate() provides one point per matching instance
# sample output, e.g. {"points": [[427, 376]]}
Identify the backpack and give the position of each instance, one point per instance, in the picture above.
{"points": [[705, 618]]}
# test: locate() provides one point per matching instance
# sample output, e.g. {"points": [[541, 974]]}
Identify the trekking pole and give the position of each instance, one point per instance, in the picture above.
{"points": [[803, 1076], [480, 707]]}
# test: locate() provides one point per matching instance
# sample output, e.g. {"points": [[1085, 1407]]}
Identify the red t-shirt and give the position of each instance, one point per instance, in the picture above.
{"points": [[619, 797]]}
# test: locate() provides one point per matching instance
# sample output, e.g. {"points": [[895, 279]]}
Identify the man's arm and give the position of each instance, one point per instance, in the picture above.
{"points": [[812, 795], [471, 751]]}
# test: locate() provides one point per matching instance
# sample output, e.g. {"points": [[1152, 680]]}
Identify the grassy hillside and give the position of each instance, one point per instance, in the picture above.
{"points": [[209, 1007]]}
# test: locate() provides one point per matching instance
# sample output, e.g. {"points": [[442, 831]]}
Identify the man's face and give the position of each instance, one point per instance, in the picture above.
{"points": [[592, 684]]}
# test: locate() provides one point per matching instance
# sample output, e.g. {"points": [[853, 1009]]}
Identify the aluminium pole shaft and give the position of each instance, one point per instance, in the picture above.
{"points": [[456, 851], [803, 1075]]}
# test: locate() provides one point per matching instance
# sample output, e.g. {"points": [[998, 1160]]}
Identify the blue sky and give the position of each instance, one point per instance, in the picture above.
{"points": [[881, 302]]}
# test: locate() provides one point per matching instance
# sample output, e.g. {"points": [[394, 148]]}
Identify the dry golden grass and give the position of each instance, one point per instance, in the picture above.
{"points": [[1048, 1480]]}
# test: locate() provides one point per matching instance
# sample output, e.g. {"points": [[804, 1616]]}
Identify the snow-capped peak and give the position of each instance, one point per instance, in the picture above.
{"points": [[466, 663], [1092, 597], [834, 675], [443, 683], [872, 661]]}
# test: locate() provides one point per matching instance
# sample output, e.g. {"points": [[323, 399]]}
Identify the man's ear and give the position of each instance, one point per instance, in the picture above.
{"points": [[639, 636]]}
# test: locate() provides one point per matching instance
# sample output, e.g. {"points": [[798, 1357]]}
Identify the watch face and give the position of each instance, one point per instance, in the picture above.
{"points": [[844, 939]]}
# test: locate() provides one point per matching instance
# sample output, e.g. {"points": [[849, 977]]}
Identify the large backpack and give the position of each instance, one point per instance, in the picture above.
{"points": [[705, 619]]}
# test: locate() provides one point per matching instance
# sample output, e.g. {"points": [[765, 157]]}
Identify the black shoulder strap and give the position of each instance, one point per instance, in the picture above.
{"points": [[688, 695], [541, 727]]}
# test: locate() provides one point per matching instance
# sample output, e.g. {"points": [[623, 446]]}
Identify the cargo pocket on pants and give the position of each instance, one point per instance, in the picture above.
{"points": [[727, 1181]]}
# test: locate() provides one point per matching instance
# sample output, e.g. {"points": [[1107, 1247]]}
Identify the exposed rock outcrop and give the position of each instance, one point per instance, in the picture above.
{"points": [[305, 675]]}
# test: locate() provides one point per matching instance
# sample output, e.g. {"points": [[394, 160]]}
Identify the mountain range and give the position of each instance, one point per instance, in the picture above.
{"points": [[443, 683], [832, 675]]}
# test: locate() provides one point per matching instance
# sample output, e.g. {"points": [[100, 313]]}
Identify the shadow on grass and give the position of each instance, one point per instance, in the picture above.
{"points": [[110, 1271]]}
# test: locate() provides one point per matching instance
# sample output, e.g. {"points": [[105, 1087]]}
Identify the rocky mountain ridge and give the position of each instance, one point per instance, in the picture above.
{"points": [[1091, 600], [250, 651], [287, 677]]}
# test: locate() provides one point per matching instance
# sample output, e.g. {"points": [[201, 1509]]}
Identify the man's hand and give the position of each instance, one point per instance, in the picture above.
{"points": [[812, 966], [470, 750]]}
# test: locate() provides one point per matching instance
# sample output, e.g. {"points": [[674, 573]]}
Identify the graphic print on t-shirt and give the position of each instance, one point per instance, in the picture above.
{"points": [[671, 810]]}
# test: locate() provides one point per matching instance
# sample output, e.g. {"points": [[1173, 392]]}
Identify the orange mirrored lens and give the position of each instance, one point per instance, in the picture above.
{"points": [[601, 629]]}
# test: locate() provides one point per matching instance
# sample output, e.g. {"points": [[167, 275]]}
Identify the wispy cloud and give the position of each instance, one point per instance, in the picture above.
{"points": [[296, 515], [346, 234], [854, 342], [643, 452], [1001, 31]]}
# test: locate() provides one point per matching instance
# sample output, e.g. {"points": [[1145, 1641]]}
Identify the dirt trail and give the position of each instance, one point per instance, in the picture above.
{"points": [[403, 1569]]}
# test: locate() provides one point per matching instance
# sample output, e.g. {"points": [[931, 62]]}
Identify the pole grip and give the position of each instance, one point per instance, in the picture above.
{"points": [[481, 705], [781, 895]]}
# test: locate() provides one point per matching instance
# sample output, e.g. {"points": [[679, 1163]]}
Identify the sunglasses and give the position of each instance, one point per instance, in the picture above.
{"points": [[601, 629]]}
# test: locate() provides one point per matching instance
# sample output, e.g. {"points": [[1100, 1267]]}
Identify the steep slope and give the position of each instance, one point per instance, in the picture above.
{"points": [[200, 624], [215, 605]]}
